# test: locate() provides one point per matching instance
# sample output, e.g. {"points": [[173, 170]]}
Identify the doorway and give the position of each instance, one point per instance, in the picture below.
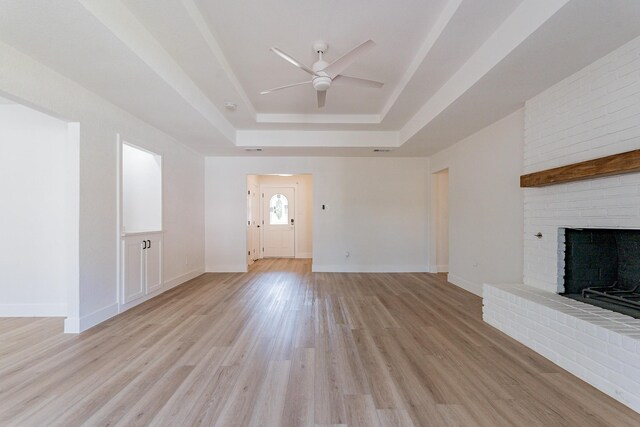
{"points": [[253, 219], [279, 216], [39, 187], [442, 220]]}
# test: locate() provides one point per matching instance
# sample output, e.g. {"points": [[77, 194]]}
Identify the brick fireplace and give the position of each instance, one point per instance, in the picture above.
{"points": [[591, 114], [602, 268]]}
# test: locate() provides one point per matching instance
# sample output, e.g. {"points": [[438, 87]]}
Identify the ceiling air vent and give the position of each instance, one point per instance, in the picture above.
{"points": [[253, 149], [381, 150]]}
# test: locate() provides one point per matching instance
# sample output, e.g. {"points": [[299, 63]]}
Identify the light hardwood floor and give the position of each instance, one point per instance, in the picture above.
{"points": [[281, 346]]}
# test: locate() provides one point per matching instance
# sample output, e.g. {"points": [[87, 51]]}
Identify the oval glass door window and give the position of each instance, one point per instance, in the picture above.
{"points": [[278, 210]]}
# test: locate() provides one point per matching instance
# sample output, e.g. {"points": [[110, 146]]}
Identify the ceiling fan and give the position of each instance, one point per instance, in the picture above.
{"points": [[324, 73]]}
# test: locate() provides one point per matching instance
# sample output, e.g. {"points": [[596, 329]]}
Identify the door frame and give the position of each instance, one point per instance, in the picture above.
{"points": [[262, 216], [433, 220], [251, 194]]}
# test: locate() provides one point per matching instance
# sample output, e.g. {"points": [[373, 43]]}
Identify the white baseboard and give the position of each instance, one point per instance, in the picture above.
{"points": [[369, 268], [172, 283], [304, 255], [226, 268], [474, 288], [442, 268], [33, 310], [74, 325], [169, 284]]}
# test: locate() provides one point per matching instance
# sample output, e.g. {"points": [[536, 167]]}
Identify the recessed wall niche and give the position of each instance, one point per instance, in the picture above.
{"points": [[141, 190]]}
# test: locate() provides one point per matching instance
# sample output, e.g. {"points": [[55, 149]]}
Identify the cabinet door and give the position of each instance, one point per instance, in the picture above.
{"points": [[154, 264], [133, 270]]}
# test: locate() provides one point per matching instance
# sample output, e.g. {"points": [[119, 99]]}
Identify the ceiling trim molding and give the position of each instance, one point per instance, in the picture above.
{"points": [[525, 19], [319, 118], [205, 31], [118, 19], [327, 139], [443, 20]]}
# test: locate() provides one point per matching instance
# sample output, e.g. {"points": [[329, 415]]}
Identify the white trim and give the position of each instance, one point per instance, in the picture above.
{"points": [[73, 205], [212, 43], [327, 268], [183, 278], [442, 268], [73, 325], [474, 288], [170, 284], [436, 31], [129, 305], [33, 310], [237, 268], [324, 139], [319, 118], [139, 233], [303, 255]]}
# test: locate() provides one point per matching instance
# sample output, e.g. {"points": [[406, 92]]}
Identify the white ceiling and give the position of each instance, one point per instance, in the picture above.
{"points": [[450, 67]]}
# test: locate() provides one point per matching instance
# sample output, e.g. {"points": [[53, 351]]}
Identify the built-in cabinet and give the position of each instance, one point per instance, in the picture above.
{"points": [[142, 266], [141, 225]]}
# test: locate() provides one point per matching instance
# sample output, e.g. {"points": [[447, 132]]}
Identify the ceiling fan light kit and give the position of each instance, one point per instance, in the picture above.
{"points": [[323, 73]]}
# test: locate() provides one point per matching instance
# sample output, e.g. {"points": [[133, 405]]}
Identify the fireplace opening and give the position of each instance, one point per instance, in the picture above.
{"points": [[602, 268]]}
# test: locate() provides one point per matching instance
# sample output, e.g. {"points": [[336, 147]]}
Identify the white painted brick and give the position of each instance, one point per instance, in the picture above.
{"points": [[632, 373], [601, 347]]}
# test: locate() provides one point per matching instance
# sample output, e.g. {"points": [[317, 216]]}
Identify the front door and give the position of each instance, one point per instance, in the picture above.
{"points": [[278, 211]]}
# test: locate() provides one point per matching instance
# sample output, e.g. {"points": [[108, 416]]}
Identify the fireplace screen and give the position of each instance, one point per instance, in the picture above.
{"points": [[602, 268]]}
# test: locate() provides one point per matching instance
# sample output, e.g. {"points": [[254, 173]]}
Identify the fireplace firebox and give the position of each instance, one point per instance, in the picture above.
{"points": [[602, 268]]}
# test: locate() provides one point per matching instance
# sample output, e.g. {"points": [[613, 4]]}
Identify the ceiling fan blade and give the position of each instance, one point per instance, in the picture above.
{"points": [[340, 64], [264, 92], [292, 60], [322, 97], [356, 81]]}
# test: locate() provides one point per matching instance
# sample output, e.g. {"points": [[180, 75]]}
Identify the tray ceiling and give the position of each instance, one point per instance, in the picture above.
{"points": [[450, 67]]}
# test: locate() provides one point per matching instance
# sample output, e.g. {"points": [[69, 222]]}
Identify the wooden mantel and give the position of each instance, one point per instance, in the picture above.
{"points": [[604, 166]]}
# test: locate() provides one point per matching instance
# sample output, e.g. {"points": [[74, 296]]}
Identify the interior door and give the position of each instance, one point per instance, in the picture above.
{"points": [[249, 227], [255, 222], [278, 212]]}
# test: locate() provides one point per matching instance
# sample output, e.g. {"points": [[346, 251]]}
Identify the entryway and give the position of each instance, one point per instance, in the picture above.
{"points": [[441, 215], [279, 216]]}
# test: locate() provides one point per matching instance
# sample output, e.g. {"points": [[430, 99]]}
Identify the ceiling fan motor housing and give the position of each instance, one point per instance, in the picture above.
{"points": [[321, 80]]}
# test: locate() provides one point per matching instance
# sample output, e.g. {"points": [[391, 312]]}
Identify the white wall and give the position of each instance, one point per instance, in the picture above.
{"points": [[141, 190], [485, 205], [304, 208], [37, 260], [442, 220], [593, 113], [23, 78], [377, 210]]}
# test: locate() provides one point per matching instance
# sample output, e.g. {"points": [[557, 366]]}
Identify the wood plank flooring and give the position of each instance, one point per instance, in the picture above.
{"points": [[281, 346]]}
